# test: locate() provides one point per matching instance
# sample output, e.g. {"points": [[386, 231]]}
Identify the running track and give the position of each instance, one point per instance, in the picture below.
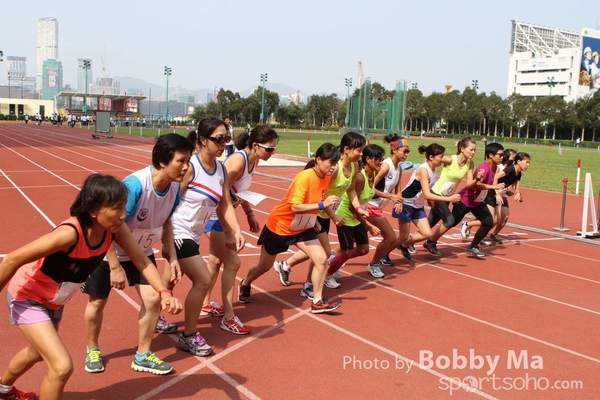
{"points": [[534, 297]]}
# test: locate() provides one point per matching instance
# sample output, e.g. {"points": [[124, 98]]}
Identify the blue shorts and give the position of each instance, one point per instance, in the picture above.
{"points": [[213, 225], [409, 213]]}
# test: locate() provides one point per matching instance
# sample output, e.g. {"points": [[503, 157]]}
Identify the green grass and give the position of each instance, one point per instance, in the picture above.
{"points": [[546, 171]]}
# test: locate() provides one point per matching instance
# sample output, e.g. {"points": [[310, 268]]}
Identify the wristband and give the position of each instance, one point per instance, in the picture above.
{"points": [[321, 205], [160, 292]]}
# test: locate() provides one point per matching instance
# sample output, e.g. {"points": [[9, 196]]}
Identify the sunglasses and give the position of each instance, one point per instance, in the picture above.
{"points": [[222, 139], [268, 149]]}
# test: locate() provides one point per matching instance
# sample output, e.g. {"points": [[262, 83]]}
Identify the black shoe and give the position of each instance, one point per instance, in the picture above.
{"points": [[405, 252], [431, 248], [385, 260]]}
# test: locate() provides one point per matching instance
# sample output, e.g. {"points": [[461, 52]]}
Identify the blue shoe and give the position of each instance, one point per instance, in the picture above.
{"points": [[405, 252], [385, 261]]}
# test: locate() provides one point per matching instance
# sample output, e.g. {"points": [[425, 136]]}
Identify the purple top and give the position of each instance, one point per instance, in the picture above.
{"points": [[473, 197]]}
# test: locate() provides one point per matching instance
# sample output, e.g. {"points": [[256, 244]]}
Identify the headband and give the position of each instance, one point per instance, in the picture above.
{"points": [[399, 143]]}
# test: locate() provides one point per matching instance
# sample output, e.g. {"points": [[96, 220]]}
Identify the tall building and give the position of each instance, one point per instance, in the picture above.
{"points": [[16, 69], [81, 74], [47, 46], [548, 61]]}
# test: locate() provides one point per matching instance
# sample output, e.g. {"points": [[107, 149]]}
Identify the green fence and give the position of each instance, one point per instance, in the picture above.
{"points": [[370, 116]]}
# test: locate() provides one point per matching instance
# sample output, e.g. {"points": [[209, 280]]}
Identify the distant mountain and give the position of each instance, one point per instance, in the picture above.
{"points": [[129, 84]]}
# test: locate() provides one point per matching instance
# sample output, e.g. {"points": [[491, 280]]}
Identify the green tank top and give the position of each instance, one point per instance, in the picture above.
{"points": [[450, 177], [363, 198], [340, 185]]}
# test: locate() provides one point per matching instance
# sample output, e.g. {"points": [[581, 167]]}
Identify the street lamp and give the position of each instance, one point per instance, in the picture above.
{"points": [[475, 84], [86, 66], [551, 83], [263, 78], [348, 84], [167, 73], [415, 86]]}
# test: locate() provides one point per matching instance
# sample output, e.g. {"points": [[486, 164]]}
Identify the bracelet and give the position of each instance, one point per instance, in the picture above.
{"points": [[160, 292], [321, 205]]}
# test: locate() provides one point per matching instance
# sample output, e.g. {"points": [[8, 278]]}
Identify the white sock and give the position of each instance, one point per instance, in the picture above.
{"points": [[4, 388], [286, 267], [315, 301]]}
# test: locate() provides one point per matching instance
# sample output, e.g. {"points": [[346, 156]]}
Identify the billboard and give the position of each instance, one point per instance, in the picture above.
{"points": [[52, 78], [131, 105], [589, 71]]}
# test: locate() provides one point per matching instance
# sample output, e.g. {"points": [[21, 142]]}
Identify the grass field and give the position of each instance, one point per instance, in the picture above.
{"points": [[547, 170]]}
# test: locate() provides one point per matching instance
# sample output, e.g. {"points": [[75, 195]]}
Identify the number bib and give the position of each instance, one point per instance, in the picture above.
{"points": [[481, 197], [303, 222], [448, 188], [202, 217], [146, 238], [65, 291]]}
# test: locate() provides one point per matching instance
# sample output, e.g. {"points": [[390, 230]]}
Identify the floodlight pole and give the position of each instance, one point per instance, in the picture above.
{"points": [[348, 84], [475, 84], [263, 78], [551, 84], [167, 73], [86, 66]]}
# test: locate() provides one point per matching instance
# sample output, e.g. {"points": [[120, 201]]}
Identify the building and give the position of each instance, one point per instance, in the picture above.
{"points": [[46, 47], [52, 79], [548, 61]]}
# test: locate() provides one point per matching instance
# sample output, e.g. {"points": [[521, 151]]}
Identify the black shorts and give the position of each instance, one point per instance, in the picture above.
{"points": [[347, 235], [186, 248], [490, 198], [98, 283], [275, 244], [325, 224]]}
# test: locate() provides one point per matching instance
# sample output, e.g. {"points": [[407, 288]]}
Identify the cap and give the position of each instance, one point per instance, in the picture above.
{"points": [[587, 49]]}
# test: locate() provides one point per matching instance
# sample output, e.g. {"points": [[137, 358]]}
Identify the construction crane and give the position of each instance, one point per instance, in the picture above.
{"points": [[361, 77], [448, 87], [103, 59]]}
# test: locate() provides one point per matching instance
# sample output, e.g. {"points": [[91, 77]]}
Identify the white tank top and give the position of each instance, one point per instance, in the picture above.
{"points": [[391, 180], [151, 212], [413, 192], [244, 181], [199, 201]]}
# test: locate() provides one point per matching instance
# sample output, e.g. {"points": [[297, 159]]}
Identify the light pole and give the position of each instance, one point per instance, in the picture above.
{"points": [[86, 66], [348, 84], [475, 84], [263, 78], [167, 73], [551, 83]]}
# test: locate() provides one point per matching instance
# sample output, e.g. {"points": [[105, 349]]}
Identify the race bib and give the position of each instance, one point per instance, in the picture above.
{"points": [[481, 197], [420, 199], [65, 291], [448, 188], [302, 222], [146, 238], [202, 217]]}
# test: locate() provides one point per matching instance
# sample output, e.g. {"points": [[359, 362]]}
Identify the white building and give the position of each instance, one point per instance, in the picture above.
{"points": [[46, 47], [546, 61]]}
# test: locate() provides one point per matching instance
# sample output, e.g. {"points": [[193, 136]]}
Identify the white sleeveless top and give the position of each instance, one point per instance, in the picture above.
{"points": [[199, 201], [244, 181], [152, 209], [391, 180], [413, 192]]}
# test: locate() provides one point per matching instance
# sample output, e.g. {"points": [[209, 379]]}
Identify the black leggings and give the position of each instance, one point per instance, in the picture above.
{"points": [[481, 212], [441, 212]]}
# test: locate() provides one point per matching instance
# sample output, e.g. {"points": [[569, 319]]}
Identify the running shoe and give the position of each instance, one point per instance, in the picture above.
{"points": [[337, 274], [194, 344], [244, 293], [375, 270], [93, 361], [284, 276], [331, 283], [385, 261], [494, 237], [162, 326], [412, 250], [307, 291], [476, 252], [213, 308], [465, 230], [234, 325], [16, 394], [405, 252], [324, 306], [431, 248], [151, 363]]}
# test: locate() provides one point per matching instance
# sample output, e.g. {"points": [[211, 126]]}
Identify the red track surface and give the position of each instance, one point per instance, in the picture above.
{"points": [[535, 295]]}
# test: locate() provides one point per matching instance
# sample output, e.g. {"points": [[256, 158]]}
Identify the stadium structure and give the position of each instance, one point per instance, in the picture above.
{"points": [[548, 61]]}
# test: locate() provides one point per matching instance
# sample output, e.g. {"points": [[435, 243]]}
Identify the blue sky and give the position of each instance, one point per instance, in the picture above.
{"points": [[309, 45]]}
